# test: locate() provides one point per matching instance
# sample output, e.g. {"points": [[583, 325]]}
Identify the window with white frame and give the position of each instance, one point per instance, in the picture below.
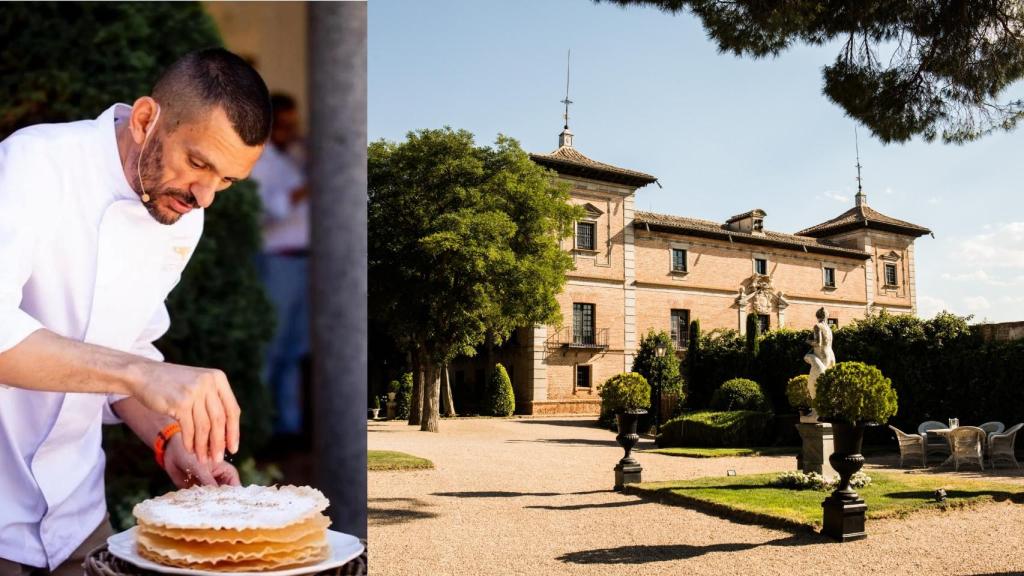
{"points": [[833, 323], [585, 235], [829, 277], [761, 266], [890, 275], [679, 260]]}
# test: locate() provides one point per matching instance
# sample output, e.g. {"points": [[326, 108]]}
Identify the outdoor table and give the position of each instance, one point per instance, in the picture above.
{"points": [[100, 562], [944, 432]]}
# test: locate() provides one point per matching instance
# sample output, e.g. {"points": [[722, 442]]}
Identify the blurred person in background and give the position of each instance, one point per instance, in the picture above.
{"points": [[284, 265]]}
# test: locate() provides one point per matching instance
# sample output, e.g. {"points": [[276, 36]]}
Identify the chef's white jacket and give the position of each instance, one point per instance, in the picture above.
{"points": [[80, 256]]}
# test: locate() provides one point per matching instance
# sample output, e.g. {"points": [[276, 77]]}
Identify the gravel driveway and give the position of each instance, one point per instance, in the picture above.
{"points": [[533, 497]]}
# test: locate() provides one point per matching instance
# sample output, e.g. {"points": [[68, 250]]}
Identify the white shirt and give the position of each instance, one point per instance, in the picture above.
{"points": [[286, 225], [80, 256]]}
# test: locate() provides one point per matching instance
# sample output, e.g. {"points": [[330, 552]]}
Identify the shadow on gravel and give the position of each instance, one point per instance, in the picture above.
{"points": [[568, 441], [500, 494], [664, 553], [588, 506], [388, 511], [581, 423]]}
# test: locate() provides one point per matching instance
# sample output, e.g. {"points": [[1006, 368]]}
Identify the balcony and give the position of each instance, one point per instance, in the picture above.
{"points": [[590, 340]]}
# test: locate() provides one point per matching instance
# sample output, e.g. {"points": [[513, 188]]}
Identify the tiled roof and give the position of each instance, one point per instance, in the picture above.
{"points": [[568, 160], [860, 217], [711, 229]]}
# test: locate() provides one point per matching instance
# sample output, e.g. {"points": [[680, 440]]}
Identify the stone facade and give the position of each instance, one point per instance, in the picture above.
{"points": [[627, 280]]}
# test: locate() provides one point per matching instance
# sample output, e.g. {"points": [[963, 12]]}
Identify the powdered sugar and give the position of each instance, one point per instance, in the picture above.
{"points": [[232, 507]]}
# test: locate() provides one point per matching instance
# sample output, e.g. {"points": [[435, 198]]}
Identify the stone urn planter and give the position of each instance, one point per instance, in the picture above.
{"points": [[850, 396], [627, 395], [374, 413], [628, 470], [844, 510]]}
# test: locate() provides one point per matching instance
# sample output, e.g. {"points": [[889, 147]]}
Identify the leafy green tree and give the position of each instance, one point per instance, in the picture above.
{"points": [[904, 67], [663, 371], [753, 335], [501, 400], [66, 61], [463, 242]]}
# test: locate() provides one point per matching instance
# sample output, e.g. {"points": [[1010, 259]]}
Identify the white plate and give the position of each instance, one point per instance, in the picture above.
{"points": [[344, 547]]}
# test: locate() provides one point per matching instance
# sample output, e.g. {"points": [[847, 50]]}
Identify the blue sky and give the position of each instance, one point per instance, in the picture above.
{"points": [[723, 134]]}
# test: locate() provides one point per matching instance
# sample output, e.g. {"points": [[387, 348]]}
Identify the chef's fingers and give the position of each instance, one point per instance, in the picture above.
{"points": [[232, 414], [188, 431], [203, 476], [202, 424], [226, 474], [216, 413]]}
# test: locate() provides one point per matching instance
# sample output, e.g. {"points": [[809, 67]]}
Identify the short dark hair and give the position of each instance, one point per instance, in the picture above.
{"points": [[217, 77]]}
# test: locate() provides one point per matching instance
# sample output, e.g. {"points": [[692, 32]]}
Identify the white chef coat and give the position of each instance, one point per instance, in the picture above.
{"points": [[80, 256], [286, 226]]}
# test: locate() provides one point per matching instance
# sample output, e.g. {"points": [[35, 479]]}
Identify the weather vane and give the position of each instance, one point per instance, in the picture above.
{"points": [[567, 101], [856, 144]]}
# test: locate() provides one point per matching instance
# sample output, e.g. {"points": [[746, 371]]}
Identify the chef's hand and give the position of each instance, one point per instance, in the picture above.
{"points": [[185, 469], [200, 399]]}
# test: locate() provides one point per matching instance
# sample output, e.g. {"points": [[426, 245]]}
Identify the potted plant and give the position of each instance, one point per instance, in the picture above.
{"points": [[375, 410], [850, 395], [627, 395], [800, 398], [393, 387]]}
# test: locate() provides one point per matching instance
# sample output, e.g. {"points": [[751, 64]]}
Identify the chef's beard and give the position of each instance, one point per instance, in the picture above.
{"points": [[150, 172]]}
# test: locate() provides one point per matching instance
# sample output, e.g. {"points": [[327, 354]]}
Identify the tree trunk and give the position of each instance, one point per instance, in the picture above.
{"points": [[431, 399], [447, 401], [489, 369], [337, 137], [416, 403]]}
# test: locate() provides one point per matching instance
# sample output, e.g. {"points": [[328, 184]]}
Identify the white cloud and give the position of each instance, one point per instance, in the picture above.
{"points": [[888, 191], [1012, 299], [934, 200], [833, 195], [1001, 247], [975, 276], [976, 303], [929, 306]]}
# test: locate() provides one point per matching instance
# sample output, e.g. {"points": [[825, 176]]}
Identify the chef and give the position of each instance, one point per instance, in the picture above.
{"points": [[98, 218]]}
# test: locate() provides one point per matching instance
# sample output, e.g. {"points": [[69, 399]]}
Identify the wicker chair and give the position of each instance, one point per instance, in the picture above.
{"points": [[968, 444], [1000, 446], [910, 445], [991, 428], [933, 443]]}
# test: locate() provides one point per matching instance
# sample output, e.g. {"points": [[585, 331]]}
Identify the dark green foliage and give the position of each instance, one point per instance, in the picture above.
{"points": [[717, 429], [376, 402], [780, 357], [662, 371], [753, 334], [904, 67], [403, 398], [71, 60], [500, 399], [626, 391], [854, 392], [797, 393], [722, 357], [739, 394]]}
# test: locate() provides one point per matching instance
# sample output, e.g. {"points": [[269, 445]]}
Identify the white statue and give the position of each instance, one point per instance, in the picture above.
{"points": [[820, 357]]}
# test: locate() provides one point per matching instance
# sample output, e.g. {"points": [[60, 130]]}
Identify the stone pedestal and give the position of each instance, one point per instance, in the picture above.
{"points": [[844, 519], [817, 447], [392, 411], [627, 473]]}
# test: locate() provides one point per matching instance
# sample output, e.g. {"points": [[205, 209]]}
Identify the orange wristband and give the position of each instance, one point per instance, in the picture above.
{"points": [[162, 438]]}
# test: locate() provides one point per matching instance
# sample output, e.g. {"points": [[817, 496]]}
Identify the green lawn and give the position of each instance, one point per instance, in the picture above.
{"points": [[724, 452], [888, 495], [387, 460]]}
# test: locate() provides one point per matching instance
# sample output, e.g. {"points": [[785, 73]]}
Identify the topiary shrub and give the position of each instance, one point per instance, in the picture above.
{"points": [[855, 392], [500, 399], [739, 394], [797, 394], [403, 398], [738, 428], [624, 392]]}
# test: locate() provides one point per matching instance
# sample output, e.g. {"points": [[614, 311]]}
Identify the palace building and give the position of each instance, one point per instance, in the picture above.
{"points": [[636, 270]]}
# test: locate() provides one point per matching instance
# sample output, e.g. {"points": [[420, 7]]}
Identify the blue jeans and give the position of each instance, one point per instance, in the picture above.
{"points": [[286, 280]]}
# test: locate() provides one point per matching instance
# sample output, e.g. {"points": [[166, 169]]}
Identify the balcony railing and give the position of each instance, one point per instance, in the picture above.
{"points": [[588, 340]]}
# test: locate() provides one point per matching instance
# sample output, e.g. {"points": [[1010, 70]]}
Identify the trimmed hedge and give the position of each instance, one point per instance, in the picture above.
{"points": [[739, 428], [403, 398], [500, 398], [739, 394], [855, 392]]}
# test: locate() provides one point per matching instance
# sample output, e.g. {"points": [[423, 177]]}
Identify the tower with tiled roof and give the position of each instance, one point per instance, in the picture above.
{"points": [[888, 242]]}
